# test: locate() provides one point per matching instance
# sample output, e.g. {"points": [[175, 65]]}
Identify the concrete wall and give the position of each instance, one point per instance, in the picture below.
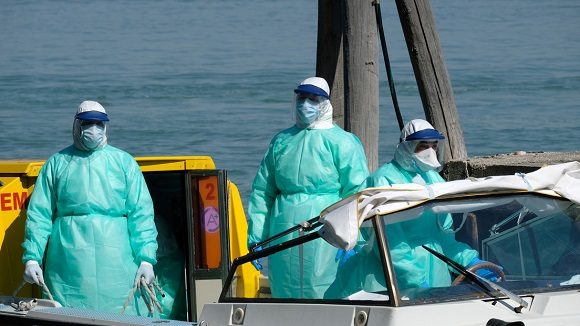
{"points": [[505, 164]]}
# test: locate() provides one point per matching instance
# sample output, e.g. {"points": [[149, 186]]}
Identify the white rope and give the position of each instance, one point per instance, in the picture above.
{"points": [[450, 230], [129, 298], [148, 294], [525, 178], [19, 288], [24, 305], [28, 305]]}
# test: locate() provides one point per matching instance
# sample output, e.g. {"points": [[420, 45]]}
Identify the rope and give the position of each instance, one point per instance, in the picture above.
{"points": [[525, 178], [42, 285], [147, 303], [45, 288], [148, 294], [129, 298], [151, 293], [19, 288], [26, 306], [450, 230]]}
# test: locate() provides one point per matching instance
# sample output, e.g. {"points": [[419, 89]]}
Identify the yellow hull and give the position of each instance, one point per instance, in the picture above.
{"points": [[17, 178]]}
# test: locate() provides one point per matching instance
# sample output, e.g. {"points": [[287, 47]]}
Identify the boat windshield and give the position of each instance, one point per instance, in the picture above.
{"points": [[527, 243]]}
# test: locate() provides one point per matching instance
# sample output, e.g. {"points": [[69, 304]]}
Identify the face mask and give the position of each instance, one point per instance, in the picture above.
{"points": [[308, 111], [92, 136], [426, 160]]}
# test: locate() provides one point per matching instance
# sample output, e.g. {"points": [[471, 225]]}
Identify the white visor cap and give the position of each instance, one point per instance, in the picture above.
{"points": [[314, 85], [91, 110]]}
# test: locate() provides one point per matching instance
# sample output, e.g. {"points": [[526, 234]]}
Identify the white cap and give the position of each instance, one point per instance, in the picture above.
{"points": [[91, 110], [314, 85], [419, 129]]}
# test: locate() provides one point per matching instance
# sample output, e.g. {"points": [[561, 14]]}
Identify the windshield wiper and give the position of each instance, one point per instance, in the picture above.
{"points": [[304, 226], [486, 285]]}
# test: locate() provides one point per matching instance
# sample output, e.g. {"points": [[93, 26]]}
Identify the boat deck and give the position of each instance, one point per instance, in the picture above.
{"points": [[45, 313]]}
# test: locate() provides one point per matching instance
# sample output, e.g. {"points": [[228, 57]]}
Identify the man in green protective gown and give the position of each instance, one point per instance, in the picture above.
{"points": [[306, 168], [416, 160], [91, 201]]}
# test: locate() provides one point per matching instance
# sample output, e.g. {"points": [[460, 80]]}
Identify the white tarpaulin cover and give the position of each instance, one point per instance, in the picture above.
{"points": [[342, 220]]}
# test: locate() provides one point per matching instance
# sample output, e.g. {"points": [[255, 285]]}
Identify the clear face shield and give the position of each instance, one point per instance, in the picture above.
{"points": [[428, 154], [307, 108], [89, 135]]}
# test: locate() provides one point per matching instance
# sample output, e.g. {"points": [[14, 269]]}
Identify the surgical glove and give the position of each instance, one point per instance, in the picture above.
{"points": [[257, 262], [33, 273], [145, 270], [342, 256], [487, 274]]}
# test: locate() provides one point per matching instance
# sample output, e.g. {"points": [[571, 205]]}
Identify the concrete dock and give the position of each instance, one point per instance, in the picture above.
{"points": [[505, 164]]}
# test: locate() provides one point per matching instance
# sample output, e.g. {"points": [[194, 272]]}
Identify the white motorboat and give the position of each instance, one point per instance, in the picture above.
{"points": [[525, 228]]}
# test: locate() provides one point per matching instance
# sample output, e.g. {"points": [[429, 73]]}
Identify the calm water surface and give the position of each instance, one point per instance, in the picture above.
{"points": [[216, 77]]}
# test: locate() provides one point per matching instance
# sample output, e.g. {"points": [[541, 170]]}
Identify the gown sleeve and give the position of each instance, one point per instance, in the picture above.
{"points": [[40, 211], [262, 197], [140, 216]]}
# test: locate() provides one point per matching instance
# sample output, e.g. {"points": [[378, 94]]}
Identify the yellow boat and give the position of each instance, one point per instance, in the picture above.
{"points": [[199, 207]]}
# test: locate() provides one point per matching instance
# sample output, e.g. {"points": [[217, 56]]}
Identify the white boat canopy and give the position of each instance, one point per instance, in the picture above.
{"points": [[341, 221]]}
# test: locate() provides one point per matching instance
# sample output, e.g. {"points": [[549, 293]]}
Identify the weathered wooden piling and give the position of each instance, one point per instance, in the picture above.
{"points": [[431, 73], [348, 58], [329, 53]]}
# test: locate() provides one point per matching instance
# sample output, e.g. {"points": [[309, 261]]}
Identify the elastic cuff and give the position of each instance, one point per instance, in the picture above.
{"points": [[148, 254]]}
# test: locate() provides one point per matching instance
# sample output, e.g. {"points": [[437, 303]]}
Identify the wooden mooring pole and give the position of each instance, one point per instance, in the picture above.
{"points": [[347, 56], [329, 53], [431, 73]]}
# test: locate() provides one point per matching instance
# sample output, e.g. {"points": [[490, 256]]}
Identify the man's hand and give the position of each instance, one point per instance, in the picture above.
{"points": [[258, 262], [342, 256], [487, 274], [33, 273], [146, 271]]}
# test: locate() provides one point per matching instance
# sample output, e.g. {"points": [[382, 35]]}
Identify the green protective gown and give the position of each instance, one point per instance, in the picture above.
{"points": [[393, 173], [169, 272], [303, 172], [414, 266], [98, 214]]}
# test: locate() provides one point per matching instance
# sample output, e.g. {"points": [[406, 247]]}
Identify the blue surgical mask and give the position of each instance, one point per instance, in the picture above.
{"points": [[92, 135], [308, 111]]}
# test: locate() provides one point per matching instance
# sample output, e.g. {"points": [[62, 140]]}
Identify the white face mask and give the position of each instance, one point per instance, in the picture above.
{"points": [[426, 160], [92, 135]]}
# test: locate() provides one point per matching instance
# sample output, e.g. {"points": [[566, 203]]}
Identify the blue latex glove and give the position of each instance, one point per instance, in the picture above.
{"points": [[424, 285], [488, 274], [258, 262], [342, 256]]}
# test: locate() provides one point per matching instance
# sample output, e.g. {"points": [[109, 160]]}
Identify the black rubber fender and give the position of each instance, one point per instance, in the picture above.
{"points": [[499, 322]]}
